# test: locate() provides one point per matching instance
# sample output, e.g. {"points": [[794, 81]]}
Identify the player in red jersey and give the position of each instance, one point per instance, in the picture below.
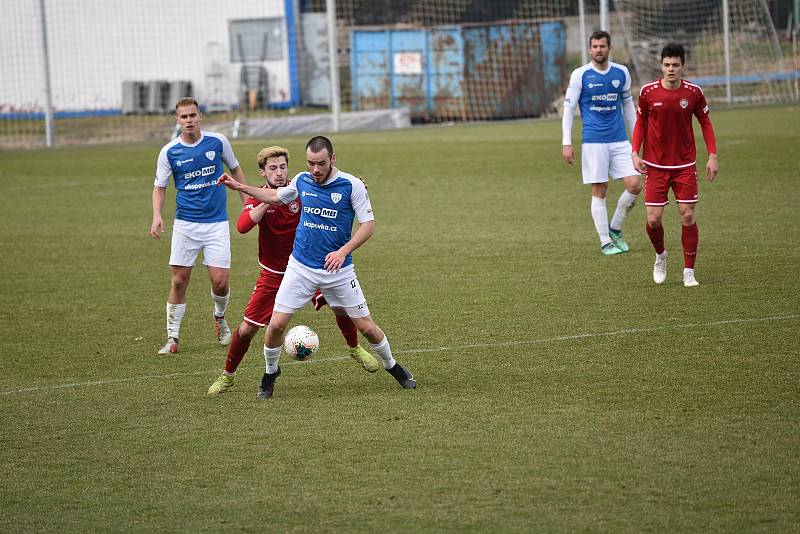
{"points": [[664, 122], [276, 230]]}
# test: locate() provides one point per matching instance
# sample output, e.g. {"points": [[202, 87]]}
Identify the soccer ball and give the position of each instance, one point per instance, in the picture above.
{"points": [[301, 343]]}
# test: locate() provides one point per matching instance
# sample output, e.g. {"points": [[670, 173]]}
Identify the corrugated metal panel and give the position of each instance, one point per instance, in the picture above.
{"points": [[446, 67], [554, 44], [409, 83], [369, 67], [464, 72]]}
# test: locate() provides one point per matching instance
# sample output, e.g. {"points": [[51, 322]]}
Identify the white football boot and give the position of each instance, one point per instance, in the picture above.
{"points": [[660, 268]]}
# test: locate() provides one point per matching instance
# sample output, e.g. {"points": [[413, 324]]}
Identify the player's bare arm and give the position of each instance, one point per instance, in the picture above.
{"points": [[269, 196], [250, 217], [238, 175], [157, 226], [257, 213], [334, 260]]}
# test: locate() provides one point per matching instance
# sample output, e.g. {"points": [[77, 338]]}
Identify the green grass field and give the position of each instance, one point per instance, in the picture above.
{"points": [[559, 390]]}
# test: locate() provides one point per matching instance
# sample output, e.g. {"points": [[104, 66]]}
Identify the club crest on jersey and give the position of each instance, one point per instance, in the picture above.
{"points": [[336, 197], [294, 207], [210, 155], [684, 103], [615, 83]]}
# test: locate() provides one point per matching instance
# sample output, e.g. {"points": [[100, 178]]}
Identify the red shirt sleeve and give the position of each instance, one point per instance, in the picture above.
{"points": [[641, 125], [701, 112], [245, 222]]}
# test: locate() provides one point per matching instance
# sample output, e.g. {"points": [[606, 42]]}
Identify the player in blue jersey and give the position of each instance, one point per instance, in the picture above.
{"points": [[321, 256], [195, 160], [602, 90]]}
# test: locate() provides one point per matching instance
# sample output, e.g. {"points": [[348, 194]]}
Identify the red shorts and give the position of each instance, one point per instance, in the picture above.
{"points": [[259, 309], [657, 183]]}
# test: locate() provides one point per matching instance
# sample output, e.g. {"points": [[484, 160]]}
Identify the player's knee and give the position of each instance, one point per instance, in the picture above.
{"points": [[687, 219], [635, 188], [219, 287], [653, 221], [247, 330], [276, 328], [179, 283]]}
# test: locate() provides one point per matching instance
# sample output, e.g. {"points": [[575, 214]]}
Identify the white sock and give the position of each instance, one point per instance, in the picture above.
{"points": [[271, 358], [600, 217], [220, 303], [686, 271], [624, 205], [384, 352], [174, 317]]}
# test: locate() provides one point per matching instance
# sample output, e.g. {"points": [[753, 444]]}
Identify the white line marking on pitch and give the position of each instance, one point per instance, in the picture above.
{"points": [[438, 349]]}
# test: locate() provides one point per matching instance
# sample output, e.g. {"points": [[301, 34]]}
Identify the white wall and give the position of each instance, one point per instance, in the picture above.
{"points": [[95, 45]]}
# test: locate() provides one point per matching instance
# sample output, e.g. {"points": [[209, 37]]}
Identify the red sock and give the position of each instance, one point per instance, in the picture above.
{"points": [[656, 236], [348, 329], [689, 239], [236, 352]]}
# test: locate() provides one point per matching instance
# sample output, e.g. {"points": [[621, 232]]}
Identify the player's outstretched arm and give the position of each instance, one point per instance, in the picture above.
{"points": [[157, 226], [268, 196]]}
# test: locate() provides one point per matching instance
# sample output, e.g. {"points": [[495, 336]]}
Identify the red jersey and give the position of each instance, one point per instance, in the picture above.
{"points": [[276, 231], [664, 122]]}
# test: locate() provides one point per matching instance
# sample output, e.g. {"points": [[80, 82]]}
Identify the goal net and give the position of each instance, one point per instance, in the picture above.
{"points": [[755, 70]]}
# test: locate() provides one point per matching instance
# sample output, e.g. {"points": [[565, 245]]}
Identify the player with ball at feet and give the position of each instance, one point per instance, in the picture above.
{"points": [[276, 231], [321, 256]]}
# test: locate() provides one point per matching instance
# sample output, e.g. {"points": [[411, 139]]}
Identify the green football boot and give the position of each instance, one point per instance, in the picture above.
{"points": [[616, 238], [221, 384], [367, 360], [609, 249]]}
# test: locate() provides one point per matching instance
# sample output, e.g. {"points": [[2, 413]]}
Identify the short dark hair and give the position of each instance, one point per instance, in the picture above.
{"points": [[600, 34], [316, 144], [674, 50]]}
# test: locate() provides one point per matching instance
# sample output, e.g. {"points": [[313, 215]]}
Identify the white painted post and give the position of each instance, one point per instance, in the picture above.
{"points": [[330, 5], [726, 30], [49, 127], [584, 36]]}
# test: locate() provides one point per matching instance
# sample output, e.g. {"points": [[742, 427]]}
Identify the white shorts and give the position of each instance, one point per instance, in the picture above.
{"points": [[189, 238], [341, 290], [601, 160]]}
